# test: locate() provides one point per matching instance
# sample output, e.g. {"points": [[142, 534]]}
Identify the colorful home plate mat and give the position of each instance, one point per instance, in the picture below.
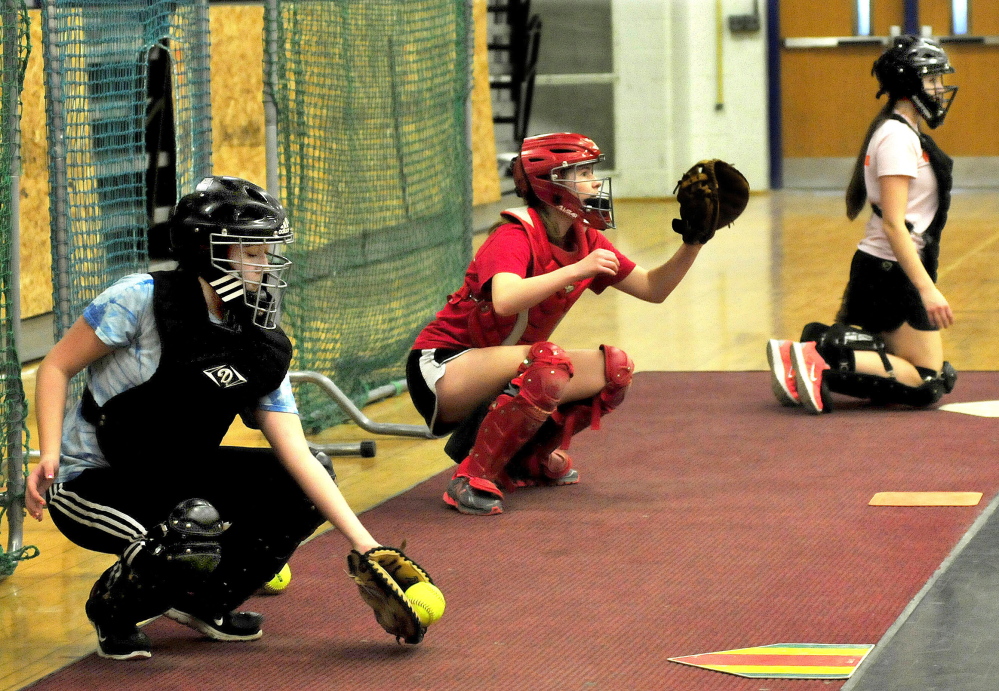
{"points": [[784, 660]]}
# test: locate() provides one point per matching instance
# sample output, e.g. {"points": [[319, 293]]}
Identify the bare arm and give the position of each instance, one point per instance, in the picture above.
{"points": [[75, 350], [655, 285], [284, 433], [512, 294], [894, 199]]}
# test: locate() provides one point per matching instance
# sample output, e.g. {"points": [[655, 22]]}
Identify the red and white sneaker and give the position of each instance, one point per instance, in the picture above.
{"points": [[808, 368], [782, 372]]}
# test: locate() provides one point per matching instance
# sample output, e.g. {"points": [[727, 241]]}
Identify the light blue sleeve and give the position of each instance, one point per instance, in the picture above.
{"points": [[114, 315], [281, 400]]}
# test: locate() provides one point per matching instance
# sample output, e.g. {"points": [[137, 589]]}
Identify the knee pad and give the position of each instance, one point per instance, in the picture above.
{"points": [[188, 540], [173, 557], [543, 376], [618, 372]]}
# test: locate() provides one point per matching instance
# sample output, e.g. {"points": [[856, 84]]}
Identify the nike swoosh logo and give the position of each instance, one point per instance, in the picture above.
{"points": [[811, 373], [218, 622]]}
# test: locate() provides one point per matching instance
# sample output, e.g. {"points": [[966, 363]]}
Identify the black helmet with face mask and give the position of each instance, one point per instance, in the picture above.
{"points": [[226, 212], [900, 71]]}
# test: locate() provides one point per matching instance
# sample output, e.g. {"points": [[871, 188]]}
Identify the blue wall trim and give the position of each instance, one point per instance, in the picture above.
{"points": [[773, 95], [911, 11]]}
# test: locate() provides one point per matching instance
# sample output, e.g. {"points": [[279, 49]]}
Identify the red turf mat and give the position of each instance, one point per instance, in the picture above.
{"points": [[708, 518]]}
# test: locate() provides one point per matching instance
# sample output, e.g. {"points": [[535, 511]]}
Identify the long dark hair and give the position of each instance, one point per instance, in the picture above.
{"points": [[856, 192], [545, 211]]}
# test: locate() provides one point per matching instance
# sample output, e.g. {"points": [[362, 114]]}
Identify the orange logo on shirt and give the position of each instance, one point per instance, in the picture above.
{"points": [[867, 160], [926, 157]]}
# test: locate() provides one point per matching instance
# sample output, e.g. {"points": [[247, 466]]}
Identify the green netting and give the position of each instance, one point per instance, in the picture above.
{"points": [[374, 172], [13, 409], [96, 74]]}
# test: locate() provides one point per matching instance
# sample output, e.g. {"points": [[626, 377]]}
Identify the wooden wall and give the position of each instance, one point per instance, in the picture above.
{"points": [[36, 253], [237, 131], [828, 93]]}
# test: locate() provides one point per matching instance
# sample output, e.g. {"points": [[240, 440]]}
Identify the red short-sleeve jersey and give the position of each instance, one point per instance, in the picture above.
{"points": [[520, 247]]}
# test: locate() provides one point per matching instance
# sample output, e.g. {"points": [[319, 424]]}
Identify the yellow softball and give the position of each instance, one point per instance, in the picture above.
{"points": [[280, 581], [427, 600]]}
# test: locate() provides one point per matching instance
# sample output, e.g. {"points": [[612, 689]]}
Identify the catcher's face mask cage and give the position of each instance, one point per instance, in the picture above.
{"points": [[252, 267], [902, 71], [589, 195], [227, 231], [550, 166]]}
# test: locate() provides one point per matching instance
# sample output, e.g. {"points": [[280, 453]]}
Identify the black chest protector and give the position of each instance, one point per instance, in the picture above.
{"points": [[942, 166], [207, 374]]}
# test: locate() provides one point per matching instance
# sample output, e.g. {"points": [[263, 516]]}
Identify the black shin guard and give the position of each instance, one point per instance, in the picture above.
{"points": [[882, 390], [839, 342], [174, 556]]}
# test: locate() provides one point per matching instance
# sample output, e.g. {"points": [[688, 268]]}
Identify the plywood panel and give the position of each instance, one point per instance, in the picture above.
{"points": [[36, 254], [237, 91], [485, 173]]}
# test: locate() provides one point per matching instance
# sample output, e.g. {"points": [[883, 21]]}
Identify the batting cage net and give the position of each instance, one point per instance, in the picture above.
{"points": [[96, 83], [375, 174], [13, 408]]}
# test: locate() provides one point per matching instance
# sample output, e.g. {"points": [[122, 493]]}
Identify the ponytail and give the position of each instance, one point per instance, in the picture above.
{"points": [[856, 191]]}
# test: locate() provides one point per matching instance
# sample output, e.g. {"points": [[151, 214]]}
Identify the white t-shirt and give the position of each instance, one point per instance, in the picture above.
{"points": [[895, 150]]}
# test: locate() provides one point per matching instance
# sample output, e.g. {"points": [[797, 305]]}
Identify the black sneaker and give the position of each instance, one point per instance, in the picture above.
{"points": [[119, 641], [231, 626], [474, 496]]}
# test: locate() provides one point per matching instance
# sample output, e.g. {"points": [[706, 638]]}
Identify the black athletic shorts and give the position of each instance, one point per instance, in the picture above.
{"points": [[879, 297], [423, 369]]}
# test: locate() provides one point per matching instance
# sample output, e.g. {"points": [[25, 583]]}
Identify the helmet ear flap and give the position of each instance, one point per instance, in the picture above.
{"points": [[520, 183]]}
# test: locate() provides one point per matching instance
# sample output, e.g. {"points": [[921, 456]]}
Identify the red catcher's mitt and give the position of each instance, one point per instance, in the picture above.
{"points": [[711, 194]]}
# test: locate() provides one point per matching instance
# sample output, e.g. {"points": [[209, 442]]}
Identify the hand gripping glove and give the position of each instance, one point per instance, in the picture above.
{"points": [[711, 195], [383, 575]]}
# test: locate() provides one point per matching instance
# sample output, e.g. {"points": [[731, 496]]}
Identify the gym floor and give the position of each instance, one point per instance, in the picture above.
{"points": [[784, 263]]}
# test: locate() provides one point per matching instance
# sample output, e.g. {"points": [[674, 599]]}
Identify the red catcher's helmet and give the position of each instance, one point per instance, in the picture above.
{"points": [[546, 166]]}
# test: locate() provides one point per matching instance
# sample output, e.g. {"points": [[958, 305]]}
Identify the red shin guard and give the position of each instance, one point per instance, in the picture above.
{"points": [[513, 420], [543, 459]]}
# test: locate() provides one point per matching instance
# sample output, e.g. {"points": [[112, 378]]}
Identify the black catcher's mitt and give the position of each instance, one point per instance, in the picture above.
{"points": [[383, 575], [711, 194]]}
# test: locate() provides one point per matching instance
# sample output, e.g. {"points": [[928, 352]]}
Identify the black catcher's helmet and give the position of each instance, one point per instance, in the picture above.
{"points": [[900, 71], [227, 212]]}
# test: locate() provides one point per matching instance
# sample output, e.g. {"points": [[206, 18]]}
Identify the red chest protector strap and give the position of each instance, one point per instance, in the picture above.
{"points": [[536, 324]]}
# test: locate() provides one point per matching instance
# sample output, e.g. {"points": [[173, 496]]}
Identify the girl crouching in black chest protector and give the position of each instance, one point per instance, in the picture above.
{"points": [[885, 344], [136, 468]]}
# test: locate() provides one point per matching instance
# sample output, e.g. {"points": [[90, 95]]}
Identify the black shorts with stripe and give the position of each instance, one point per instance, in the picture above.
{"points": [[879, 297]]}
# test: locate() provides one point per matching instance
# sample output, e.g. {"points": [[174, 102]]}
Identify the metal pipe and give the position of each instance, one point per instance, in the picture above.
{"points": [[270, 102], [15, 426], [355, 413]]}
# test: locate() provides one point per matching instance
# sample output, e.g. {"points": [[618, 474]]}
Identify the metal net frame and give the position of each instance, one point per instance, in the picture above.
{"points": [[96, 81], [374, 169], [13, 405]]}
